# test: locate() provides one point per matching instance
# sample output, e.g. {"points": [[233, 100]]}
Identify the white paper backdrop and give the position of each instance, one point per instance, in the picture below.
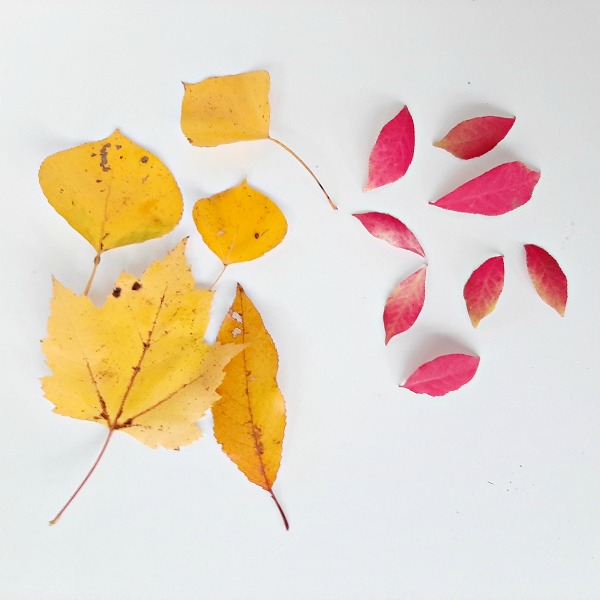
{"points": [[489, 492]]}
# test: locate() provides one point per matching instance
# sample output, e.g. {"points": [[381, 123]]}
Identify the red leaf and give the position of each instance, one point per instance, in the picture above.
{"points": [[496, 192], [404, 304], [388, 228], [483, 288], [443, 374], [393, 151], [548, 278], [475, 137]]}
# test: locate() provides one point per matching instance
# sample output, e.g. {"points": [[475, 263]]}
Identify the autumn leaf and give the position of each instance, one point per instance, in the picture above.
{"points": [[138, 363], [482, 290], [113, 192], [404, 304], [239, 224], [548, 278], [442, 374], [393, 151], [250, 416], [475, 137], [392, 230], [494, 193], [229, 109]]}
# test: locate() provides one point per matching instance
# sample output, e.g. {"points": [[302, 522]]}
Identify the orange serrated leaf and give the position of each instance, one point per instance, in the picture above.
{"points": [[137, 364], [250, 417]]}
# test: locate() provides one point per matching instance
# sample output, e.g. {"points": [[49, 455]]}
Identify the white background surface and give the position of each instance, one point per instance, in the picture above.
{"points": [[490, 492]]}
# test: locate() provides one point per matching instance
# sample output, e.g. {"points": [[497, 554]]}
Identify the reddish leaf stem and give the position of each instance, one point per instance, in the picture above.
{"points": [[100, 455], [287, 149], [89, 283], [285, 521]]}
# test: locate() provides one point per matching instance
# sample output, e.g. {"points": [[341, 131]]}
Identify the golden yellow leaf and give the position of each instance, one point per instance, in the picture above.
{"points": [[113, 192], [222, 110], [249, 419], [239, 224]]}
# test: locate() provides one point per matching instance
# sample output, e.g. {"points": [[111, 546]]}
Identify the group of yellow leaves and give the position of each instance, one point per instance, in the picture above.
{"points": [[139, 362]]}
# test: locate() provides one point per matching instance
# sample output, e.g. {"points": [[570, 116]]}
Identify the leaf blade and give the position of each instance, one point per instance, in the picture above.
{"points": [[483, 289], [404, 304], [392, 230], [547, 277], [496, 192]]}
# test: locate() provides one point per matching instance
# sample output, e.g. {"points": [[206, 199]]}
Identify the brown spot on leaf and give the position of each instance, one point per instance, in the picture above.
{"points": [[136, 286], [104, 158], [144, 159], [116, 292]]}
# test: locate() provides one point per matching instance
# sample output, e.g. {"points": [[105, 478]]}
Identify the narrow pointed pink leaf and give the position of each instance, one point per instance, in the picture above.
{"points": [[548, 278], [482, 290], [393, 151], [442, 374], [393, 231], [496, 192], [474, 137], [404, 304]]}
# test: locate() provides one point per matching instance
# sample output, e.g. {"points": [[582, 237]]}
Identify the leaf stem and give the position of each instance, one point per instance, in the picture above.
{"points": [[89, 283], [287, 149], [285, 521], [100, 455], [212, 287]]}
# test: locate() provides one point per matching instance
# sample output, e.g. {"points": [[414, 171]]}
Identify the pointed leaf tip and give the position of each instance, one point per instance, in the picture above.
{"points": [[496, 192], [392, 230], [475, 137], [404, 304], [393, 151], [482, 290], [443, 374], [548, 278]]}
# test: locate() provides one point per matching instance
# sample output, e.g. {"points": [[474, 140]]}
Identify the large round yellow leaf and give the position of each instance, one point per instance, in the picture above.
{"points": [[239, 224], [113, 192], [222, 110]]}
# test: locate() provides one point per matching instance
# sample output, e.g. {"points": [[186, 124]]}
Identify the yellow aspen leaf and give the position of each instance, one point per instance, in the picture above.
{"points": [[113, 192], [249, 419], [138, 363], [239, 224], [223, 110]]}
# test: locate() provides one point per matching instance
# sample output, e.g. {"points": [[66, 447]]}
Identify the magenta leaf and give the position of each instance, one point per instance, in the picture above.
{"points": [[474, 137], [404, 304], [388, 228], [443, 374], [548, 278], [482, 290], [496, 192], [393, 151]]}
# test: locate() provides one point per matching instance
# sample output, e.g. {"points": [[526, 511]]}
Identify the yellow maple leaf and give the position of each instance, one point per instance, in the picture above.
{"points": [[249, 419], [137, 364], [239, 224], [113, 192], [232, 108]]}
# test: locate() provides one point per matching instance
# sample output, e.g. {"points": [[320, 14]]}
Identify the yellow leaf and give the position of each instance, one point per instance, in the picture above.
{"points": [[239, 224], [113, 192], [138, 363], [249, 420], [222, 110]]}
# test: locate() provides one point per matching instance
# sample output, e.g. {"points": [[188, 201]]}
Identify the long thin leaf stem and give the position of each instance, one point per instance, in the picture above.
{"points": [[285, 521], [287, 149], [89, 283], [212, 287], [100, 455]]}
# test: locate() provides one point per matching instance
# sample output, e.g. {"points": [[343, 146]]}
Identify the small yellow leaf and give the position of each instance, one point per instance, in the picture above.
{"points": [[249, 420], [113, 192], [223, 110], [138, 363], [239, 224]]}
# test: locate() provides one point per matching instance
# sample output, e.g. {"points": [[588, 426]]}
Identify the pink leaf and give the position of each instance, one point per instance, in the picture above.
{"points": [[548, 278], [483, 288], [443, 374], [393, 151], [475, 137], [496, 192], [404, 304], [388, 228]]}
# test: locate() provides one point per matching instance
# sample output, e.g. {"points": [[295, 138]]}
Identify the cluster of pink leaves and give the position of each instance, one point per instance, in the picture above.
{"points": [[496, 192]]}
